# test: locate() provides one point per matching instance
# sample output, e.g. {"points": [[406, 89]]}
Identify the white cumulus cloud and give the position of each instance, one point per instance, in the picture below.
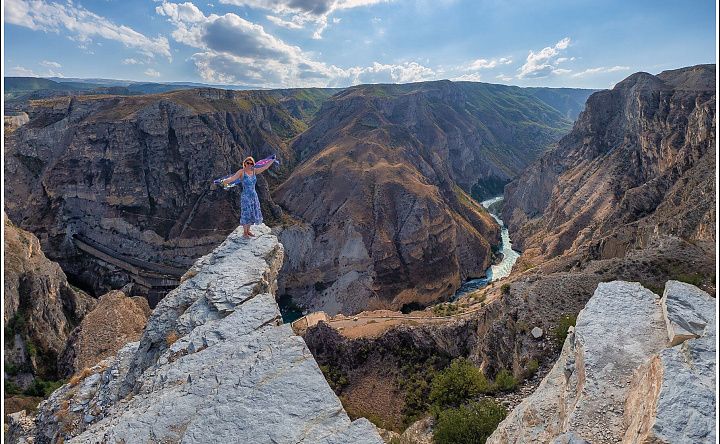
{"points": [[543, 63], [302, 12], [50, 64], [600, 69], [233, 50], [151, 73], [80, 25]]}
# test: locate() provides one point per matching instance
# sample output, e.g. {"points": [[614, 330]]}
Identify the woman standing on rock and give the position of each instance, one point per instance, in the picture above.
{"points": [[249, 203]]}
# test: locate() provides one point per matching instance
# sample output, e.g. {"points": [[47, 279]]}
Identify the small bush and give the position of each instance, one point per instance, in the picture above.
{"points": [[561, 330], [11, 369], [505, 381], [42, 388], [335, 377], [532, 366], [505, 289], [445, 309], [31, 348], [77, 377], [472, 424], [11, 388], [457, 384]]}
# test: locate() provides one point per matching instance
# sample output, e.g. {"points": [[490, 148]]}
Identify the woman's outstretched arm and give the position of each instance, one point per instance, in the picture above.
{"points": [[263, 168], [232, 178]]}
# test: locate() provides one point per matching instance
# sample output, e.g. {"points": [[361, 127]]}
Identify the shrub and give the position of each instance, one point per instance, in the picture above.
{"points": [[11, 369], [77, 377], [471, 424], [505, 381], [445, 309], [532, 366], [11, 388], [505, 288], [42, 388], [561, 330], [335, 377], [457, 384]]}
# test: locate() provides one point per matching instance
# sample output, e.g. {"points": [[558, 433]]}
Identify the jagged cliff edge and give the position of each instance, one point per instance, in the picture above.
{"points": [[214, 364]]}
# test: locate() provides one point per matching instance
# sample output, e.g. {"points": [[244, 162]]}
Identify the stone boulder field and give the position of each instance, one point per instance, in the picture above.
{"points": [[636, 368], [215, 355]]}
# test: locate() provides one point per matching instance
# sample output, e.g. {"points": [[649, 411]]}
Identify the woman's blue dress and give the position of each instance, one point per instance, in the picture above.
{"points": [[249, 203]]}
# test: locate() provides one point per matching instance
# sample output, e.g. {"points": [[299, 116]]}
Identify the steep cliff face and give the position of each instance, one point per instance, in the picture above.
{"points": [[213, 365], [116, 320], [131, 174], [636, 368], [380, 186], [639, 163], [40, 308]]}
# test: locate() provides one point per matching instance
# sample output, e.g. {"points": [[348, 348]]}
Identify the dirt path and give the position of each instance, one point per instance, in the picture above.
{"points": [[373, 324]]}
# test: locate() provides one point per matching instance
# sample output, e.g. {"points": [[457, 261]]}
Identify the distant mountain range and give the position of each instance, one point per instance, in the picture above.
{"points": [[18, 90]]}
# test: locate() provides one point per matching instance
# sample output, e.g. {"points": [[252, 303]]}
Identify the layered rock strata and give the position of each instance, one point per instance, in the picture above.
{"points": [[129, 177], [639, 164], [382, 188]]}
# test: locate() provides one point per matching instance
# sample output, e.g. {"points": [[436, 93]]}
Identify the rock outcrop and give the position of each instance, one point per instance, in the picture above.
{"points": [[639, 164], [40, 308], [382, 182], [213, 365], [620, 378], [115, 321]]}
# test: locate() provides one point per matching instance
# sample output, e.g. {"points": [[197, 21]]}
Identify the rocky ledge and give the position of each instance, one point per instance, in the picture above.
{"points": [[214, 364], [637, 368]]}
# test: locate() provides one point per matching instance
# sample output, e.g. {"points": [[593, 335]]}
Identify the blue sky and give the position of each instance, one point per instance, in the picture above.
{"points": [[293, 43]]}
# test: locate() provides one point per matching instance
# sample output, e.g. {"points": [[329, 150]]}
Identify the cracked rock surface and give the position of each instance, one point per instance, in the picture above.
{"points": [[620, 376], [214, 365]]}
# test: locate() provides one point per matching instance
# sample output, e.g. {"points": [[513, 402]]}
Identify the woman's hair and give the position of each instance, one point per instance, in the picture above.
{"points": [[249, 158]]}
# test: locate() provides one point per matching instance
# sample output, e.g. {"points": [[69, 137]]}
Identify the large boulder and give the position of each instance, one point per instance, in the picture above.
{"points": [[619, 378]]}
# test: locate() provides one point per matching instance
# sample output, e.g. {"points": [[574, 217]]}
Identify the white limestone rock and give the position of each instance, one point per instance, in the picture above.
{"points": [[616, 379], [686, 309], [672, 399], [536, 332], [214, 365]]}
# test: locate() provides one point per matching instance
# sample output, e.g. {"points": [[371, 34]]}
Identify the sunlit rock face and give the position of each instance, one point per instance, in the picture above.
{"points": [[213, 365], [623, 376], [638, 165]]}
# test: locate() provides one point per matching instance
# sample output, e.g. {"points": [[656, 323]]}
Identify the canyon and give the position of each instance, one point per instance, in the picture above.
{"points": [[582, 214], [376, 224], [117, 188]]}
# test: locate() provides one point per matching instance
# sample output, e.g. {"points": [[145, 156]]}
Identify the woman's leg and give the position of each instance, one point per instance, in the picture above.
{"points": [[250, 233], [246, 231]]}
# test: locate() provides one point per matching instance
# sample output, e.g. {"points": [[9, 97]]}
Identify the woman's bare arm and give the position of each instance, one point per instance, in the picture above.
{"points": [[233, 178], [263, 168]]}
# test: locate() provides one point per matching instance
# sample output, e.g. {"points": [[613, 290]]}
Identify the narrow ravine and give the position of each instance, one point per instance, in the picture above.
{"points": [[498, 271]]}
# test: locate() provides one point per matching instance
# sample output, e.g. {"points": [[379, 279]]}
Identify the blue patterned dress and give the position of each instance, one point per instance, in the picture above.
{"points": [[249, 203]]}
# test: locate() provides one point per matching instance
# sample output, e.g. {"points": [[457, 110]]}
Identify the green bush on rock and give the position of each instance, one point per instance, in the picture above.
{"points": [[471, 424], [457, 384], [505, 381]]}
